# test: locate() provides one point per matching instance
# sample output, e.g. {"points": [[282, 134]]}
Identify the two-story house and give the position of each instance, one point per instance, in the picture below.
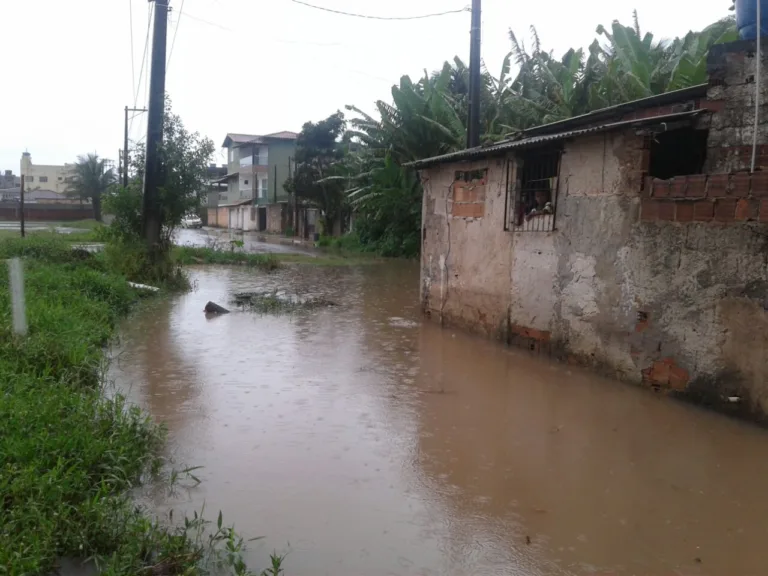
{"points": [[257, 168], [45, 177]]}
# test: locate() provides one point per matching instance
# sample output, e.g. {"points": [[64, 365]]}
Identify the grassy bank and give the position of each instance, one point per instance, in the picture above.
{"points": [[86, 231], [187, 255], [68, 454]]}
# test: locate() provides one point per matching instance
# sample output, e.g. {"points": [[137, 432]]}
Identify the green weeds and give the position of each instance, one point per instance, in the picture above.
{"points": [[187, 255], [69, 455]]}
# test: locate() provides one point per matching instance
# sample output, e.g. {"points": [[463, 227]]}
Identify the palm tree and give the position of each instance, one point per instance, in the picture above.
{"points": [[90, 179]]}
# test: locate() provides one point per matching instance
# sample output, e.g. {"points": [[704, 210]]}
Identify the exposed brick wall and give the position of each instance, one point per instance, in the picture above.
{"points": [[468, 199], [731, 98], [721, 198], [666, 374]]}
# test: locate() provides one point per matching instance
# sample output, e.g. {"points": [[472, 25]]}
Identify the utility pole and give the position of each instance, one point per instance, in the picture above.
{"points": [[154, 173], [124, 154], [473, 123], [21, 199], [253, 176], [295, 206], [125, 151]]}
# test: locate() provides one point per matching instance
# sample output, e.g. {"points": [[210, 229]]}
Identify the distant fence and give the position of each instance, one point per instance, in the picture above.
{"points": [[46, 212]]}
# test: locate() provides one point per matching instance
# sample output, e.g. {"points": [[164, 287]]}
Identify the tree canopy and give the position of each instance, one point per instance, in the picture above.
{"points": [[90, 180], [428, 117]]}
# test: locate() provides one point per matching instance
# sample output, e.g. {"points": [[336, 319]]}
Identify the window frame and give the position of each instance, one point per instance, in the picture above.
{"points": [[523, 190]]}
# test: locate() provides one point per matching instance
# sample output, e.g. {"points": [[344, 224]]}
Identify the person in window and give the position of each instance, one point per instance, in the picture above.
{"points": [[541, 204]]}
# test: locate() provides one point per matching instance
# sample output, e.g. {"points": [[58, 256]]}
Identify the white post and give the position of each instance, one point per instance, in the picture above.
{"points": [[757, 86], [17, 296]]}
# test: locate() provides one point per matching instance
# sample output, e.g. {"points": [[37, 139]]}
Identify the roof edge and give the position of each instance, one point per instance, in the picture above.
{"points": [[504, 146]]}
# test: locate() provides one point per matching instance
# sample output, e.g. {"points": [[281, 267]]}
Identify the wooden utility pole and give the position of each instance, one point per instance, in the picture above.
{"points": [[473, 123], [154, 173], [295, 207], [125, 151], [253, 176], [21, 201]]}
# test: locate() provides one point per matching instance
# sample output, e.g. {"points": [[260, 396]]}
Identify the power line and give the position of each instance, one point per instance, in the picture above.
{"points": [[279, 40], [143, 60], [144, 57], [420, 17], [133, 64], [175, 31], [188, 15]]}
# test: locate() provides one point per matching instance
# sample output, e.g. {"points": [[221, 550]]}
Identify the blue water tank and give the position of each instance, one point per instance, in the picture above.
{"points": [[746, 18]]}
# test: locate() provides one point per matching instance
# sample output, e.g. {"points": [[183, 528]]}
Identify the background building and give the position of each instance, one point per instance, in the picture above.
{"points": [[9, 180], [44, 177], [257, 168]]}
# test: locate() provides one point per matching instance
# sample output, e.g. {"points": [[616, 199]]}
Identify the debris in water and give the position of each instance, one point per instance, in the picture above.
{"points": [[213, 308], [276, 302], [528, 540], [734, 399], [143, 287]]}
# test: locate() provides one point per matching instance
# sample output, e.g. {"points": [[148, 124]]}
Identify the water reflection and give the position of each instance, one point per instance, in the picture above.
{"points": [[376, 444]]}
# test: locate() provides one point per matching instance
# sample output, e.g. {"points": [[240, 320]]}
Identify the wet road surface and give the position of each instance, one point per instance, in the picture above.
{"points": [[216, 236], [365, 441]]}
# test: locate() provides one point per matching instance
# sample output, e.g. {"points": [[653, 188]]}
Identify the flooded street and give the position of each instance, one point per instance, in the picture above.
{"points": [[252, 241], [364, 441]]}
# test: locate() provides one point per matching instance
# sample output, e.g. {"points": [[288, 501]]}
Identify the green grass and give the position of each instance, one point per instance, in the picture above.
{"points": [[69, 455], [187, 255], [88, 231], [89, 224]]}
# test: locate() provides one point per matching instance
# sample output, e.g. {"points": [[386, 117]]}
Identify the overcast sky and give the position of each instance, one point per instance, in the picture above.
{"points": [[258, 66]]}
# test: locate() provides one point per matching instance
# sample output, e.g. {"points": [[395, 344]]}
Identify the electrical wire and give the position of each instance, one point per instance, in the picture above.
{"points": [[279, 40], [175, 31], [188, 15], [369, 17], [133, 64], [144, 58]]}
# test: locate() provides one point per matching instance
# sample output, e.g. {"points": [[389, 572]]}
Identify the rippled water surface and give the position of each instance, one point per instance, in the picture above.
{"points": [[365, 441]]}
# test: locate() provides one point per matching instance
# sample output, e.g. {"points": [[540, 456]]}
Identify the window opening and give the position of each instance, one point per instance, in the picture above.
{"points": [[536, 191], [469, 175], [680, 152]]}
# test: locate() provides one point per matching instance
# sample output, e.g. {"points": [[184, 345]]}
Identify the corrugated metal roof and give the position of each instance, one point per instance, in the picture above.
{"points": [[524, 142], [237, 203], [233, 138], [283, 135], [243, 139]]}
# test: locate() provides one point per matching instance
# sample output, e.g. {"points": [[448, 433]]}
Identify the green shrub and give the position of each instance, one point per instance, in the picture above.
{"points": [[69, 455], [187, 255]]}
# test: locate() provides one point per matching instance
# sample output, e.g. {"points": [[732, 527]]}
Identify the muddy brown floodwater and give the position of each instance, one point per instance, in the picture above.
{"points": [[365, 441]]}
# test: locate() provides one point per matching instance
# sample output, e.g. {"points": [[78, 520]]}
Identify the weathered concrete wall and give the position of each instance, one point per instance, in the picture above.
{"points": [[677, 306], [466, 252], [595, 215], [661, 283]]}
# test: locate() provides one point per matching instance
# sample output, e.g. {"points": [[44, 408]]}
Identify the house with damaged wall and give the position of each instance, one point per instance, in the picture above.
{"points": [[633, 239]]}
